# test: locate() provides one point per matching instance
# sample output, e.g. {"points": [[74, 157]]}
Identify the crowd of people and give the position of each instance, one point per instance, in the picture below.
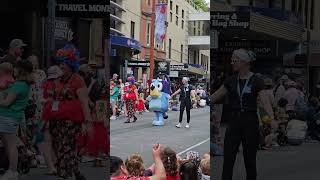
{"points": [[167, 166], [57, 115], [128, 98]]}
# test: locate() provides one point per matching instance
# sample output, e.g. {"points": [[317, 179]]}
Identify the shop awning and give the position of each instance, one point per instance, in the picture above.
{"points": [[126, 43], [196, 70]]}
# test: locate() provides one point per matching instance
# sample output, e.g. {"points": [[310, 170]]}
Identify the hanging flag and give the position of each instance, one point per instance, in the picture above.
{"points": [[161, 17]]}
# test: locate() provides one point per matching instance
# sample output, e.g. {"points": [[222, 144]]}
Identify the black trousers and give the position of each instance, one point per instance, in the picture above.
{"points": [[243, 128], [185, 104]]}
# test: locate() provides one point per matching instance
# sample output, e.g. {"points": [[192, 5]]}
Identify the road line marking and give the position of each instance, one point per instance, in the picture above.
{"points": [[202, 142]]}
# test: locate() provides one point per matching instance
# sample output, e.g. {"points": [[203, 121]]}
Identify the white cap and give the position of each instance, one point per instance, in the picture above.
{"points": [[245, 55], [185, 78]]}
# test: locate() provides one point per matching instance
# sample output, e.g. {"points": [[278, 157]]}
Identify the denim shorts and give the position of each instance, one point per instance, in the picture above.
{"points": [[8, 125]]}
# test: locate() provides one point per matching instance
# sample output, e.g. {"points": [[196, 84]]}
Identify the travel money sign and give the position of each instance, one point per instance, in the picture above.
{"points": [[82, 8], [229, 20]]}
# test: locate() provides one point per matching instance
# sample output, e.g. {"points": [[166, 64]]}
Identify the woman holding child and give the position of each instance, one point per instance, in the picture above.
{"points": [[12, 107]]}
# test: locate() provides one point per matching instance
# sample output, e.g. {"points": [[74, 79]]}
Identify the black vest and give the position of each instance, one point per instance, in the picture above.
{"points": [[185, 94]]}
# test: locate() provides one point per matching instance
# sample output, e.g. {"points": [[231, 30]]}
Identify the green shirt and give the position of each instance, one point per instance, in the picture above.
{"points": [[116, 93], [16, 110]]}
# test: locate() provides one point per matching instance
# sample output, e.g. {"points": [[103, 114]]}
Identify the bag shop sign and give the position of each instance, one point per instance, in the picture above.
{"points": [[260, 47], [82, 8], [229, 20]]}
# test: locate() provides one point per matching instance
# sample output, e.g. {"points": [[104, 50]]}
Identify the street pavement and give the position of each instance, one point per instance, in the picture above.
{"points": [[90, 172], [138, 137], [281, 163]]}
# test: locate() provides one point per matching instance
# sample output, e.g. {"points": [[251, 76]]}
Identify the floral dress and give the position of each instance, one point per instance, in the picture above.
{"points": [[65, 132], [36, 98]]}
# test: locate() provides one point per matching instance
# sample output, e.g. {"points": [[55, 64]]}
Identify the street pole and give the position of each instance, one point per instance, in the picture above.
{"points": [[50, 29], [308, 48], [153, 19]]}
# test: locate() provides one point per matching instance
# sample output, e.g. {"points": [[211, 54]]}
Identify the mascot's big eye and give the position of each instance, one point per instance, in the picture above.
{"points": [[158, 85]]}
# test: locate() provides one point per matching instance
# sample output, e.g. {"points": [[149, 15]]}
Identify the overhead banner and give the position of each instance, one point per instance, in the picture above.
{"points": [[229, 20], [161, 17], [80, 8]]}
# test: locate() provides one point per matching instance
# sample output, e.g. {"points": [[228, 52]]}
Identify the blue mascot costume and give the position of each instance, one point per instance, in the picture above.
{"points": [[158, 101]]}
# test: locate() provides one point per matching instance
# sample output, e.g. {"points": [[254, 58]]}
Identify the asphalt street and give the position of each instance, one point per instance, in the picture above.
{"points": [[281, 163], [138, 137]]}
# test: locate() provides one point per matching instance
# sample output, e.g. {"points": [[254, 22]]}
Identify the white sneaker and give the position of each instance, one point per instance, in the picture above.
{"points": [[187, 126], [10, 175], [178, 125], [113, 118], [146, 111]]}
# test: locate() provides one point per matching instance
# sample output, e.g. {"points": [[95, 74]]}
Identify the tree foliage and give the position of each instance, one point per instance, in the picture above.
{"points": [[202, 4]]}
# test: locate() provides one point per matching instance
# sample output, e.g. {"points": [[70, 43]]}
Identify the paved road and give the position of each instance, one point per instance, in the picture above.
{"points": [[138, 137], [283, 163]]}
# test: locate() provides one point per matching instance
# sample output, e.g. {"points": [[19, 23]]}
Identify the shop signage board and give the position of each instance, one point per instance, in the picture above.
{"points": [[223, 20], [80, 8], [174, 74], [63, 30], [182, 67], [83, 8], [162, 67], [260, 47], [138, 64]]}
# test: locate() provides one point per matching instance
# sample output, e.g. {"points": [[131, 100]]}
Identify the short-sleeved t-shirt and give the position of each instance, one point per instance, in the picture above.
{"points": [[255, 85], [116, 93], [16, 109]]}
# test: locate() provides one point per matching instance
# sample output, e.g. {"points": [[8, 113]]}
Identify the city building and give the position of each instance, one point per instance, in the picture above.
{"points": [[124, 35], [186, 45], [188, 40], [273, 29]]}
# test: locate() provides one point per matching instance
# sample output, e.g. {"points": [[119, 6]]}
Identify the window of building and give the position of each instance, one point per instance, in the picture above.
{"points": [[199, 33], [171, 5], [148, 1], [169, 48], [194, 31], [177, 9], [182, 13], [132, 29], [177, 20], [170, 16], [148, 33], [181, 50], [182, 24]]}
